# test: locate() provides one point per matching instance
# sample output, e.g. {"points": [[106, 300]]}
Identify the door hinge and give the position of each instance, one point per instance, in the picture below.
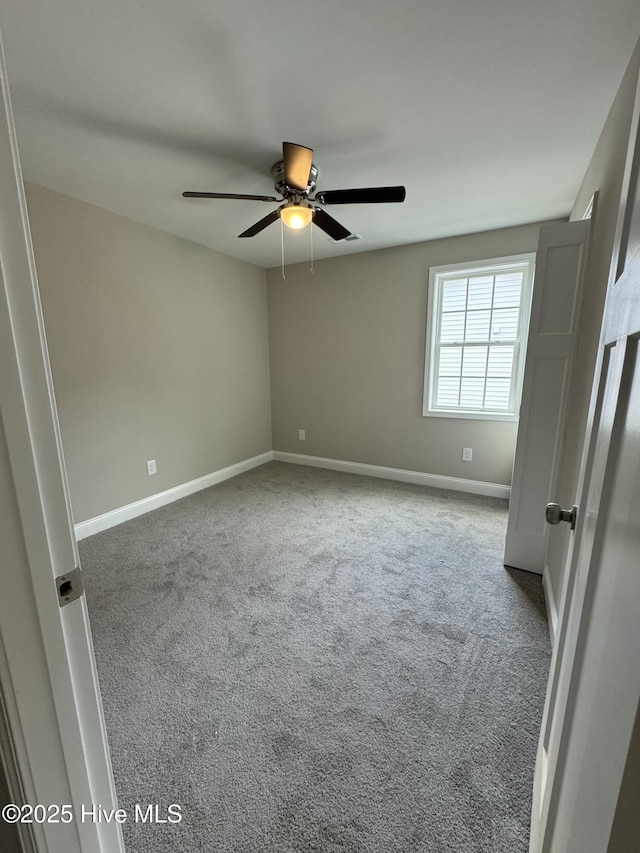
{"points": [[69, 586]]}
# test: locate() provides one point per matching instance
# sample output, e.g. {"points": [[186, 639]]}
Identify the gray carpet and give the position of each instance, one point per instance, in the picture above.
{"points": [[307, 661]]}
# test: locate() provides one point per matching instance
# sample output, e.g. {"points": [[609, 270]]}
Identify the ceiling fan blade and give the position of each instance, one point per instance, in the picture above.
{"points": [[297, 165], [261, 225], [366, 195], [330, 225], [231, 195]]}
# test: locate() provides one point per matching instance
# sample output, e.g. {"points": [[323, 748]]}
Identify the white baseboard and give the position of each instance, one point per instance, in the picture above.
{"points": [[456, 484], [133, 510], [552, 610], [125, 513]]}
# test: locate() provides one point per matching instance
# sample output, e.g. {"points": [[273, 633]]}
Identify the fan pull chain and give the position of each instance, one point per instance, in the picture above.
{"points": [[282, 246], [312, 271]]}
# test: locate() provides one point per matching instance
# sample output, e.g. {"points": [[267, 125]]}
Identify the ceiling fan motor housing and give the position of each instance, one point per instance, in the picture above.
{"points": [[290, 193]]}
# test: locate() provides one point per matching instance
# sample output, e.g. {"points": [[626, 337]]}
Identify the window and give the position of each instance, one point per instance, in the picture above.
{"points": [[476, 338]]}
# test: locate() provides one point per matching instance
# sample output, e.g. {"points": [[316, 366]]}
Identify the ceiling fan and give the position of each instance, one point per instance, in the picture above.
{"points": [[294, 177]]}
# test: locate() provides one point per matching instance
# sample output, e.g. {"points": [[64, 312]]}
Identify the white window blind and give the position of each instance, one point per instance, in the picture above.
{"points": [[476, 338]]}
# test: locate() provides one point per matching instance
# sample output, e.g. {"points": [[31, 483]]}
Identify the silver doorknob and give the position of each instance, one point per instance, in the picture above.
{"points": [[555, 514]]}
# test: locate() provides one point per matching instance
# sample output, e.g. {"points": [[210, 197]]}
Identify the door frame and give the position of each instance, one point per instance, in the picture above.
{"points": [[47, 669]]}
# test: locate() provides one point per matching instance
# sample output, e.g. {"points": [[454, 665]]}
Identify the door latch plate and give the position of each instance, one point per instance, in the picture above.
{"points": [[69, 587]]}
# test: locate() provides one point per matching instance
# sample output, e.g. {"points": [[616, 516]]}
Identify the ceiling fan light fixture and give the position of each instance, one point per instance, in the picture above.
{"points": [[295, 177], [296, 216]]}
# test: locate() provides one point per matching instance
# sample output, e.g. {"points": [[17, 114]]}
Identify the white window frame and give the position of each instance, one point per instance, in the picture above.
{"points": [[437, 276]]}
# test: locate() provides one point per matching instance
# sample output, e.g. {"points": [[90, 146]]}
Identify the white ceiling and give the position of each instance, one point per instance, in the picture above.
{"points": [[487, 111]]}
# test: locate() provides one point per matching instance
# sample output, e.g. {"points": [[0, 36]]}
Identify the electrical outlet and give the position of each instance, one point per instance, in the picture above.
{"points": [[467, 454], [152, 467], [302, 435]]}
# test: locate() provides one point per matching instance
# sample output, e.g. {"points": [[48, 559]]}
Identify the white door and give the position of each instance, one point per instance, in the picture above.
{"points": [[555, 315], [590, 730], [49, 686]]}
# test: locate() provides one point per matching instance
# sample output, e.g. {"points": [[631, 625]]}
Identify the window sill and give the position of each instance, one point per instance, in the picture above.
{"points": [[474, 416]]}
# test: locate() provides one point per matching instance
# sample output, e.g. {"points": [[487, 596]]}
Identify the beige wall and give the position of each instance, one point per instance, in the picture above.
{"points": [[158, 350], [347, 361], [625, 831], [604, 175]]}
